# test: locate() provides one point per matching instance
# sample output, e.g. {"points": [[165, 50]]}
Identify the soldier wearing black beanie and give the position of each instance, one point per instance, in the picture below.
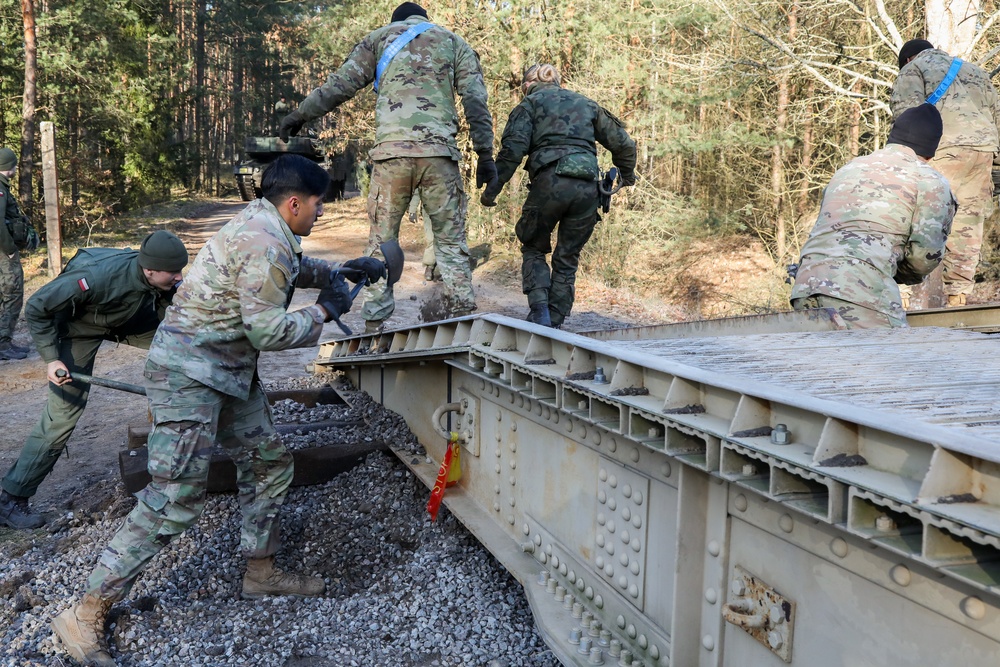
{"points": [[919, 128], [406, 10]]}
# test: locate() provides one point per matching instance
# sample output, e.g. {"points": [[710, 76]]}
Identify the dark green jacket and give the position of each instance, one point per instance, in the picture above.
{"points": [[101, 294], [553, 124], [9, 211]]}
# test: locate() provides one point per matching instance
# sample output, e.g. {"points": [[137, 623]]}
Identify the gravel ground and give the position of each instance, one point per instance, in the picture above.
{"points": [[401, 590]]}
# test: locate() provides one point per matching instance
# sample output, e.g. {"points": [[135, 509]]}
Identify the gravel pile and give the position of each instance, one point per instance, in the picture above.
{"points": [[401, 590]]}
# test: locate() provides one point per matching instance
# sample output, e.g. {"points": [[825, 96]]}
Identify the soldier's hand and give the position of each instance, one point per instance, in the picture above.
{"points": [[488, 199], [373, 268], [627, 178], [290, 125], [55, 366], [335, 299], [486, 170]]}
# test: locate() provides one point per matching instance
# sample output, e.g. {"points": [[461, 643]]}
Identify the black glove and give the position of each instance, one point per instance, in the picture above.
{"points": [[373, 268], [490, 194], [335, 299], [486, 170], [290, 125], [627, 178]]}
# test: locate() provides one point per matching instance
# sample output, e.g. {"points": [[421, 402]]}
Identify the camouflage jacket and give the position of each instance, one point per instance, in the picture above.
{"points": [[232, 303], [553, 123], [9, 210], [102, 293], [415, 114], [883, 215], [970, 110]]}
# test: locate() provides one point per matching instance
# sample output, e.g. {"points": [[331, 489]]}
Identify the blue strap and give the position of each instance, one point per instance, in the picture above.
{"points": [[956, 64], [397, 46]]}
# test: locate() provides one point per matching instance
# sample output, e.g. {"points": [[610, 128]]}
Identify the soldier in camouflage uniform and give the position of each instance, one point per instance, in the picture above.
{"points": [[203, 388], [558, 130], [884, 219], [970, 111], [11, 274], [416, 124], [102, 294]]}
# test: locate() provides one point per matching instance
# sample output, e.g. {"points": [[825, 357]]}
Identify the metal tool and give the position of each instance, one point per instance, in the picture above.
{"points": [[393, 260], [103, 382]]}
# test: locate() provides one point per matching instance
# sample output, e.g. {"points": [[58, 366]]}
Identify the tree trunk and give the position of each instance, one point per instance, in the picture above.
{"points": [[952, 24], [28, 111]]}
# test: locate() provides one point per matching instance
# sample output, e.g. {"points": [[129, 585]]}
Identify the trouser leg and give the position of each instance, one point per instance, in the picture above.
{"points": [[443, 197], [11, 295], [969, 174], [264, 470], [185, 419], [389, 195], [853, 315], [63, 409], [574, 231]]}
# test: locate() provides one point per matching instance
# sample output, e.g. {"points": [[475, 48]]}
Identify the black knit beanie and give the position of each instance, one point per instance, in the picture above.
{"points": [[919, 128], [912, 48], [406, 10], [162, 251]]}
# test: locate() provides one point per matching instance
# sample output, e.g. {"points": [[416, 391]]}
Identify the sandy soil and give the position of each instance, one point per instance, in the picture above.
{"points": [[339, 235]]}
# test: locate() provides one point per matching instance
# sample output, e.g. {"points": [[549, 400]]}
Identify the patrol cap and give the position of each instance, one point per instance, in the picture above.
{"points": [[162, 251], [912, 48], [919, 128], [406, 10], [8, 159]]}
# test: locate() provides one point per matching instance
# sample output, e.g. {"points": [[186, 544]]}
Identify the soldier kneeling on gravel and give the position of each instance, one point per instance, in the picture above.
{"points": [[203, 388]]}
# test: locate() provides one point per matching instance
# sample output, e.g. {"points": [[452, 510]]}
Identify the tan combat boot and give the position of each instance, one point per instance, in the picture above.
{"points": [[81, 630], [262, 579], [956, 300], [906, 302]]}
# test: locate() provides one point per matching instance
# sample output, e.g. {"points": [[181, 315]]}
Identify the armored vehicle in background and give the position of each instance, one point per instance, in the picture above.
{"points": [[259, 151]]}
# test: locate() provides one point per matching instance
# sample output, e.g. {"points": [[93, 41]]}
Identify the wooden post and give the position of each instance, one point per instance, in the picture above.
{"points": [[53, 231]]}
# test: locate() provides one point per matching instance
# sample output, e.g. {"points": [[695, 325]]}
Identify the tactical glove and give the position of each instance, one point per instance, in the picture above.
{"points": [[336, 298], [373, 268], [486, 170], [627, 178], [290, 125], [489, 197]]}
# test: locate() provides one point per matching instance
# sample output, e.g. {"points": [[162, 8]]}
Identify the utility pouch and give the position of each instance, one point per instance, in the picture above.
{"points": [[21, 232], [578, 165]]}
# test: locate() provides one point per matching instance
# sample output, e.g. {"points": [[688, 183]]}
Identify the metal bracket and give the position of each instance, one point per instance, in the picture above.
{"points": [[762, 612]]}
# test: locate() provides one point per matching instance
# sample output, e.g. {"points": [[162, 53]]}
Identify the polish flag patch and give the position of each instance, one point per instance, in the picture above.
{"points": [[84, 285]]}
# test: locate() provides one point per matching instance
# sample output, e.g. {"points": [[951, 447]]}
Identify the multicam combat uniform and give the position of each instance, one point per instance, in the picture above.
{"points": [[883, 215], [11, 274], [201, 379], [101, 295], [416, 124], [970, 112], [558, 130]]}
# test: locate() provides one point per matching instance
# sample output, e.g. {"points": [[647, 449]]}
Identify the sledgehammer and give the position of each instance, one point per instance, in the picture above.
{"points": [[104, 382]]}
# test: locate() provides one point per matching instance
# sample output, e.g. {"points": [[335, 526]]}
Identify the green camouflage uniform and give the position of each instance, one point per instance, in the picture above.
{"points": [[558, 130], [416, 123], [11, 273], [429, 259], [101, 295], [201, 378], [970, 112], [883, 215]]}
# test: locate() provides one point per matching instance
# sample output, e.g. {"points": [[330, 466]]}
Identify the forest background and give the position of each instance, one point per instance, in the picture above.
{"points": [[741, 109]]}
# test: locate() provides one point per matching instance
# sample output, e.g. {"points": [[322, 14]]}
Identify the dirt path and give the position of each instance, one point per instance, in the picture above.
{"points": [[339, 235]]}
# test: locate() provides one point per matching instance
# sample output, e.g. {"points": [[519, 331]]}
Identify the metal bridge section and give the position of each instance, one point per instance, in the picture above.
{"points": [[809, 498]]}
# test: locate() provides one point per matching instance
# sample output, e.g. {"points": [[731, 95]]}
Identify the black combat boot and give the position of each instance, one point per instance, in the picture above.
{"points": [[15, 513], [9, 353], [539, 314]]}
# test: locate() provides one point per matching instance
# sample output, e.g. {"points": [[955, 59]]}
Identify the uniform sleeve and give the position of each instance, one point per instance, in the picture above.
{"points": [[610, 133], [314, 273], [357, 72], [65, 294], [931, 225], [908, 91], [514, 143], [470, 86], [263, 284], [7, 246]]}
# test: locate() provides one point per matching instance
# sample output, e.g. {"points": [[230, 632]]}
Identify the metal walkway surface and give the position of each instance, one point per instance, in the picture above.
{"points": [[795, 459]]}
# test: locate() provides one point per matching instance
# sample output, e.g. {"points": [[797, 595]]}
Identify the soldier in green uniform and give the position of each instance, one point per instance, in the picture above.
{"points": [[16, 234], [103, 294], [558, 130], [884, 219], [417, 68], [970, 112], [203, 388]]}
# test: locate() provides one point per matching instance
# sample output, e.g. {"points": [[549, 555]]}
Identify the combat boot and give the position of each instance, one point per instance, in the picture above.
{"points": [[81, 630], [955, 300], [906, 302], [374, 326], [9, 353], [16, 513], [539, 314], [262, 579]]}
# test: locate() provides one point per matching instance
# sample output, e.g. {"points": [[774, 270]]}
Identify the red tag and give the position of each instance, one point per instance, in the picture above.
{"points": [[437, 494]]}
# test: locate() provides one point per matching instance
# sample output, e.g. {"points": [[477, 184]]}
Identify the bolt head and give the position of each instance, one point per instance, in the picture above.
{"points": [[774, 640]]}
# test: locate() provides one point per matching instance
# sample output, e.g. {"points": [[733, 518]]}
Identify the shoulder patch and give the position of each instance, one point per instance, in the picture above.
{"points": [[84, 285]]}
